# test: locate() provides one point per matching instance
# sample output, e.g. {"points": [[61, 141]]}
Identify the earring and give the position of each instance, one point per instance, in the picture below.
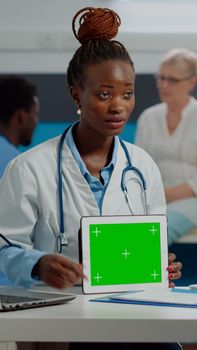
{"points": [[78, 111]]}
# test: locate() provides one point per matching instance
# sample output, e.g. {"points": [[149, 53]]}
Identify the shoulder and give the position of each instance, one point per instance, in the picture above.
{"points": [[139, 157], [7, 149], [46, 148], [141, 160], [192, 106], [193, 101], [37, 159], [154, 111], [8, 152], [190, 116]]}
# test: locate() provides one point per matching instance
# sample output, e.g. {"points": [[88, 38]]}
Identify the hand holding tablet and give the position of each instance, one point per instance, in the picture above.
{"points": [[121, 253]]}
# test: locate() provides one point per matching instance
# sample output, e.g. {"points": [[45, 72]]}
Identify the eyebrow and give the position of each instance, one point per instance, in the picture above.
{"points": [[110, 86]]}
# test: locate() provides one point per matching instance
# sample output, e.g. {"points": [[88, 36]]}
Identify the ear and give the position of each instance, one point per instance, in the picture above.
{"points": [[193, 82], [75, 93], [21, 116]]}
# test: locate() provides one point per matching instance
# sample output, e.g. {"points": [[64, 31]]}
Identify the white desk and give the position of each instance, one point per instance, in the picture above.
{"points": [[81, 320]]}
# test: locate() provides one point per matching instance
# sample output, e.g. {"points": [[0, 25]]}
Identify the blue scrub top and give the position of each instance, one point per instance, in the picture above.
{"points": [[7, 152]]}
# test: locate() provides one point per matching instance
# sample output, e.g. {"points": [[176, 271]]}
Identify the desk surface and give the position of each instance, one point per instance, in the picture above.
{"points": [[82, 320]]}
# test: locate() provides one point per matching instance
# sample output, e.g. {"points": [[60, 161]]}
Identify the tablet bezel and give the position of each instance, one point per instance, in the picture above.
{"points": [[85, 251]]}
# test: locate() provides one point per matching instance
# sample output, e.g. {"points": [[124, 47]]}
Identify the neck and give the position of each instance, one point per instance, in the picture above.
{"points": [[92, 143], [174, 114], [95, 149], [178, 106]]}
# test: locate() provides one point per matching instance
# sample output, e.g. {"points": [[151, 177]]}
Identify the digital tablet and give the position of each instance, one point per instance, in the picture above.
{"points": [[121, 253]]}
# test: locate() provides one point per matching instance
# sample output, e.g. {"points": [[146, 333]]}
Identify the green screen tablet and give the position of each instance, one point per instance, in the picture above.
{"points": [[121, 253]]}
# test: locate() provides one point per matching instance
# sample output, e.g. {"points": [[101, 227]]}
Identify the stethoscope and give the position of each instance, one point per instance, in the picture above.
{"points": [[62, 241]]}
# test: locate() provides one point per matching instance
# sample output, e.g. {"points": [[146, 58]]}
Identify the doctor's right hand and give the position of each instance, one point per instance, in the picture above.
{"points": [[57, 271]]}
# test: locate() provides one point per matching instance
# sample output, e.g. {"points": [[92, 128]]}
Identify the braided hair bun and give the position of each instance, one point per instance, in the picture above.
{"points": [[95, 29], [96, 23]]}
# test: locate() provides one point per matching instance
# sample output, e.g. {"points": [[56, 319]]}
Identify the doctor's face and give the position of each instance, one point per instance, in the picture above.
{"points": [[106, 98]]}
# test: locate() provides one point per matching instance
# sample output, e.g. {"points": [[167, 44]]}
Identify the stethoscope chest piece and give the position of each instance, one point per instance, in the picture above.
{"points": [[62, 242]]}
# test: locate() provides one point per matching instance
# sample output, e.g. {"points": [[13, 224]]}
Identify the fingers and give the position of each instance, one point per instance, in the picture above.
{"points": [[175, 266], [174, 269], [59, 272], [72, 266], [57, 281], [175, 275], [171, 284], [171, 257], [67, 276], [62, 280]]}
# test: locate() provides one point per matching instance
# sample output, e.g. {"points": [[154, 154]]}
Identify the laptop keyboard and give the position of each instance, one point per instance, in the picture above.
{"points": [[20, 298], [12, 299]]}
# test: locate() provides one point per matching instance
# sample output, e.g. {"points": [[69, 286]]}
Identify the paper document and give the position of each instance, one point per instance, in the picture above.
{"points": [[170, 297], [159, 295]]}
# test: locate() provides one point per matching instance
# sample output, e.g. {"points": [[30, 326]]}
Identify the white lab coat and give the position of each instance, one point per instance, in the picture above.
{"points": [[175, 154], [29, 212]]}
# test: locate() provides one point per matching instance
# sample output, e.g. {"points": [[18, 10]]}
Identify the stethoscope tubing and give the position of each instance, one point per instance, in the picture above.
{"points": [[61, 239]]}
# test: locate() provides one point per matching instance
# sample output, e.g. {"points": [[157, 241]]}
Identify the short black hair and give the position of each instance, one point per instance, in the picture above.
{"points": [[15, 93]]}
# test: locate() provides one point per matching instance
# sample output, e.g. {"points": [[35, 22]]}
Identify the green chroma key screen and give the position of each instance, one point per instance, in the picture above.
{"points": [[125, 253]]}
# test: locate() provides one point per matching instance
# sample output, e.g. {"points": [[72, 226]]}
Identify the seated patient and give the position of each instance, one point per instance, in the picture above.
{"points": [[167, 131]]}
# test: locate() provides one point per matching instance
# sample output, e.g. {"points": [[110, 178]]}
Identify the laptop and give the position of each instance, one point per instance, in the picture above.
{"points": [[14, 298]]}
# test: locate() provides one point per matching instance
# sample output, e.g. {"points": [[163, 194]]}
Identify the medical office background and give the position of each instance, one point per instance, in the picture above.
{"points": [[36, 41]]}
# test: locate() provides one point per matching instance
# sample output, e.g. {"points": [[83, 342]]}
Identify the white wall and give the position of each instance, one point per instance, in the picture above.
{"points": [[36, 35]]}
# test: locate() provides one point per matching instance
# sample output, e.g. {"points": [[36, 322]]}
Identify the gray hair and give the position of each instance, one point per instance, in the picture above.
{"points": [[184, 59]]}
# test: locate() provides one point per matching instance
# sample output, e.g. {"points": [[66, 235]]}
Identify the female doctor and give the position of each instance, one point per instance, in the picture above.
{"points": [[46, 190]]}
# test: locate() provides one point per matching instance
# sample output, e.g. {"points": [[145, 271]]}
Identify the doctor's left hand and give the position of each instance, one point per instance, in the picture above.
{"points": [[57, 271], [174, 269]]}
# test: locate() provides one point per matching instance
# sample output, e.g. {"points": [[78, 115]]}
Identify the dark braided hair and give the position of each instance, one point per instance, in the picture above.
{"points": [[97, 26]]}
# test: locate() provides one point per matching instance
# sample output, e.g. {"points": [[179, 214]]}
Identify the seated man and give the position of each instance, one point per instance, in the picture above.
{"points": [[18, 119]]}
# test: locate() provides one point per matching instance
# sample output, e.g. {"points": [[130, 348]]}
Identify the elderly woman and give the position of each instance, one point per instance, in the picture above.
{"points": [[167, 131]]}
